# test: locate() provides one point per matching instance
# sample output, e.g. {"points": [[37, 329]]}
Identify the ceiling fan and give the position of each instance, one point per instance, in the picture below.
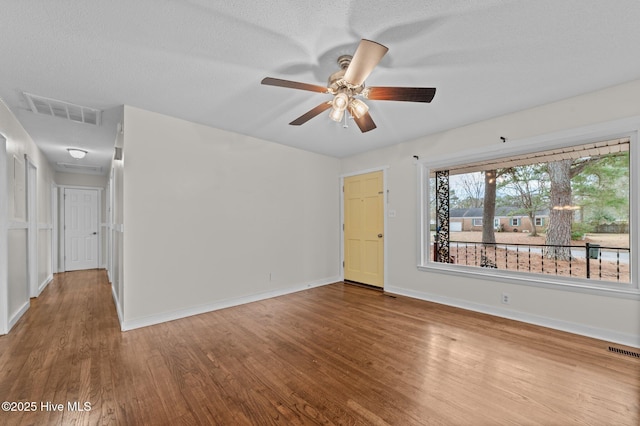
{"points": [[347, 86]]}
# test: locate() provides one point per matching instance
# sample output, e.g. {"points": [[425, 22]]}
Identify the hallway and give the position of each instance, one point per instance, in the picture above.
{"points": [[64, 350]]}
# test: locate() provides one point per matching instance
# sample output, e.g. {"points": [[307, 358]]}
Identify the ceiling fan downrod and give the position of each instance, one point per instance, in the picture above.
{"points": [[344, 61]]}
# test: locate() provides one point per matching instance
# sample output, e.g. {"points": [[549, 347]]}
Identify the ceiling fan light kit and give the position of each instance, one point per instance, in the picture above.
{"points": [[336, 114], [348, 83], [340, 101], [357, 108]]}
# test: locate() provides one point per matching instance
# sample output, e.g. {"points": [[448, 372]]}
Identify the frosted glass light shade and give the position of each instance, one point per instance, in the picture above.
{"points": [[336, 114], [357, 108], [77, 153], [340, 101]]}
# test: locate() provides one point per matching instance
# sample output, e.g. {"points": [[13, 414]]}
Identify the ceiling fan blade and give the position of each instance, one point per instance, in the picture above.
{"points": [[365, 122], [367, 56], [409, 94], [311, 113], [270, 81]]}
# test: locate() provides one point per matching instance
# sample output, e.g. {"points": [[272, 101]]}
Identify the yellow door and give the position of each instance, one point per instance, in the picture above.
{"points": [[363, 229]]}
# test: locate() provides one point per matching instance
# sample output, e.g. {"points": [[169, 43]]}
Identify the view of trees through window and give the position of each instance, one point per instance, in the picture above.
{"points": [[562, 213]]}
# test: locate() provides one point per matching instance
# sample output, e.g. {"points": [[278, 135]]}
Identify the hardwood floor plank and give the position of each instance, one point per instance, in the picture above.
{"points": [[335, 355]]}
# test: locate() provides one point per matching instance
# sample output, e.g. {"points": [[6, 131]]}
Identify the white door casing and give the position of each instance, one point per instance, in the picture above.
{"points": [[32, 227], [80, 229], [4, 256]]}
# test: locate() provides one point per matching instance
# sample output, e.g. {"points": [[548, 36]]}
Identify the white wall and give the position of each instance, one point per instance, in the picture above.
{"points": [[214, 218], [15, 291], [81, 179], [615, 319]]}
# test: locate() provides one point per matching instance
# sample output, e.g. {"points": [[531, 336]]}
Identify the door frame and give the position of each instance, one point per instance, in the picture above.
{"points": [[31, 185], [4, 235], [61, 240], [55, 265], [385, 202], [109, 194]]}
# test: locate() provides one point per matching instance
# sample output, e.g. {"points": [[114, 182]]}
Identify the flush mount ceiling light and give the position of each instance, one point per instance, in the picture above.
{"points": [[77, 153]]}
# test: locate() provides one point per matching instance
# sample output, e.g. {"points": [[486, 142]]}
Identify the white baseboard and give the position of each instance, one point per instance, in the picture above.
{"points": [[44, 284], [16, 317], [222, 304], [583, 330]]}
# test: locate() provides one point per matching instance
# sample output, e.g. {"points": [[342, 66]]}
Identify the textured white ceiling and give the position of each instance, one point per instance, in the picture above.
{"points": [[203, 61]]}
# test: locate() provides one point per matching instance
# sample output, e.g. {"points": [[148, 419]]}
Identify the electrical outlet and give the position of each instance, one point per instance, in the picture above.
{"points": [[506, 299]]}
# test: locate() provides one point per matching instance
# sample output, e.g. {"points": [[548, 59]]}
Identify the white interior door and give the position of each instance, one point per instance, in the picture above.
{"points": [[80, 229]]}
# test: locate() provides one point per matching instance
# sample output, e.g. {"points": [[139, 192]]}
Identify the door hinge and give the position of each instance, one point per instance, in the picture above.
{"points": [[343, 226], [343, 263]]}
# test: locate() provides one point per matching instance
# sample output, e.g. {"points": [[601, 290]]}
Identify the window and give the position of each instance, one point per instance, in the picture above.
{"points": [[579, 189]]}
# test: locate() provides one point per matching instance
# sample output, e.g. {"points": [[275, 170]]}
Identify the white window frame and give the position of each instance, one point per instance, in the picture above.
{"points": [[623, 128], [539, 221], [514, 221], [477, 222]]}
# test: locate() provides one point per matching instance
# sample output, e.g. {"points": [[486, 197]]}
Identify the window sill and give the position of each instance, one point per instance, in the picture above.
{"points": [[537, 280]]}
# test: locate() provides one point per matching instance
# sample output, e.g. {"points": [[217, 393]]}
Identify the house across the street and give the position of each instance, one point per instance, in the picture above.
{"points": [[507, 219]]}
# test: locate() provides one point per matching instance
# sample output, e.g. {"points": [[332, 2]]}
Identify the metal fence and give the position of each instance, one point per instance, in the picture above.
{"points": [[589, 261]]}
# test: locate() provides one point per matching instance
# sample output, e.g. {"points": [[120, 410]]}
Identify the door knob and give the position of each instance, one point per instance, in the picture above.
{"points": [[95, 233], [379, 235]]}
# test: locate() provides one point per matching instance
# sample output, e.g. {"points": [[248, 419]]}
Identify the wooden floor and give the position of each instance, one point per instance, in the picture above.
{"points": [[337, 354]]}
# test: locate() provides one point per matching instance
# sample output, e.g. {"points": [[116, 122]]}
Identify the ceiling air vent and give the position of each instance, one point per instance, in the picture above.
{"points": [[61, 109]]}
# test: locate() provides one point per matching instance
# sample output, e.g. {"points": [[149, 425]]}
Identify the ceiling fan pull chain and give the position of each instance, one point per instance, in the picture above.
{"points": [[345, 125]]}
